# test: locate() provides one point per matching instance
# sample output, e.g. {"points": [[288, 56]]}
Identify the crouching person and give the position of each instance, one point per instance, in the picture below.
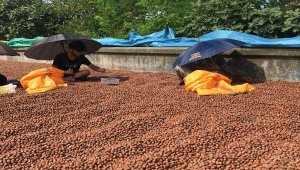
{"points": [[213, 64], [71, 61]]}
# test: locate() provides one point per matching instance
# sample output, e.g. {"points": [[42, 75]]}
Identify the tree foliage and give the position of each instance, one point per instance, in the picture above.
{"points": [[161, 13], [275, 18], [28, 18], [115, 18], [76, 16]]}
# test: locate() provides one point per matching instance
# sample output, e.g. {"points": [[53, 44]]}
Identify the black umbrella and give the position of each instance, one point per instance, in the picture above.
{"points": [[7, 50], [205, 49], [48, 48]]}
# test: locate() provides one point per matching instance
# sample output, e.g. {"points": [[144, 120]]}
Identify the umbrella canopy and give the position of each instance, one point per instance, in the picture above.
{"points": [[7, 50], [205, 49], [48, 48]]}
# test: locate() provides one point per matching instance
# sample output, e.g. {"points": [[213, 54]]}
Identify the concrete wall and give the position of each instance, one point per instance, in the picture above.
{"points": [[260, 64]]}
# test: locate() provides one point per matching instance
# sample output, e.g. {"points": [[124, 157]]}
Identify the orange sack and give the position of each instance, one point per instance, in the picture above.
{"points": [[43, 80], [209, 83]]}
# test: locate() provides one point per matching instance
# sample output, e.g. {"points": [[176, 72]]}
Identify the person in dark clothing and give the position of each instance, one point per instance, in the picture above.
{"points": [[214, 64], [71, 61], [3, 80]]}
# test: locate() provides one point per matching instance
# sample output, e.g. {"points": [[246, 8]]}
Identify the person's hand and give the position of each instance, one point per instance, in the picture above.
{"points": [[101, 70]]}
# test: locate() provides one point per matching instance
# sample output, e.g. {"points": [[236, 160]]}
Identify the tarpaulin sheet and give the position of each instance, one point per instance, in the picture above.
{"points": [[23, 42], [164, 38], [253, 40], [42, 80], [209, 83]]}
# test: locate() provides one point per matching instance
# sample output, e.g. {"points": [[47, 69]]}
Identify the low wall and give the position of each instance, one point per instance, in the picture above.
{"points": [[260, 64]]}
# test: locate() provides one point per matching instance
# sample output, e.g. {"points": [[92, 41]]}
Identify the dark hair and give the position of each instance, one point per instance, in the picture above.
{"points": [[3, 80], [77, 45]]}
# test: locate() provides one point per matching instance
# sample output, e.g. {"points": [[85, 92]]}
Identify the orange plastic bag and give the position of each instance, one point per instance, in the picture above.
{"points": [[209, 83], [43, 80]]}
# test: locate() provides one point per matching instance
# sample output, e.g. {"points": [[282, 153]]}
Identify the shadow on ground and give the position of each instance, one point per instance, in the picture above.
{"points": [[240, 64]]}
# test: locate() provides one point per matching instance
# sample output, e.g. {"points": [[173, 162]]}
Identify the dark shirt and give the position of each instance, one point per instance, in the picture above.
{"points": [[63, 62], [210, 64]]}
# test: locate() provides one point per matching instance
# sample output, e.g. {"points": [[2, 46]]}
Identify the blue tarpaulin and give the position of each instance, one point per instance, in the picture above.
{"points": [[253, 40], [164, 38]]}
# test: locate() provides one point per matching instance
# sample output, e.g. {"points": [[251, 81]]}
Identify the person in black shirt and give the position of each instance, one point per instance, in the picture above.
{"points": [[214, 64], [71, 61]]}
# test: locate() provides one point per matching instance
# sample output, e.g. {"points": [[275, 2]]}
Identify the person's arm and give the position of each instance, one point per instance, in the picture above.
{"points": [[69, 71], [92, 66], [96, 68]]}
